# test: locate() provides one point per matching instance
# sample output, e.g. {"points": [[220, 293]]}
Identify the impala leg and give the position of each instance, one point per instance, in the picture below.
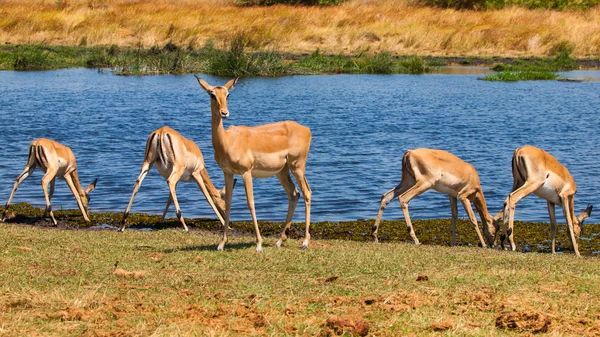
{"points": [[49, 176], [204, 190], [69, 180], [169, 202], [568, 212], [513, 198], [247, 177], [172, 182], [385, 200], [467, 205], [300, 176], [26, 173], [293, 195], [229, 182], [405, 198], [49, 196], [552, 214], [454, 210], [146, 166]]}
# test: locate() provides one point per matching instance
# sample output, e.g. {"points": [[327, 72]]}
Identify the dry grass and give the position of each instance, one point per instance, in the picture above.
{"points": [[65, 286], [356, 26]]}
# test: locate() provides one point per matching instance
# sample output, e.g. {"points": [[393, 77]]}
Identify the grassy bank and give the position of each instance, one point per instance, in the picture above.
{"points": [[400, 27], [235, 59], [170, 283]]}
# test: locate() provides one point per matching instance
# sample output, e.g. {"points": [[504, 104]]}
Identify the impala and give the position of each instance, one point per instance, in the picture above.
{"points": [[423, 169], [536, 171], [177, 159], [259, 152], [55, 160]]}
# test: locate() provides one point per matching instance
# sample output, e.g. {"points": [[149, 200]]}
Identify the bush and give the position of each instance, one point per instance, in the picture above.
{"points": [[31, 58]]}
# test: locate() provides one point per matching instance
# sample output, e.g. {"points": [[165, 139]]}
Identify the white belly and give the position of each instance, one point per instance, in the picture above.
{"points": [[263, 174], [548, 193], [166, 170]]}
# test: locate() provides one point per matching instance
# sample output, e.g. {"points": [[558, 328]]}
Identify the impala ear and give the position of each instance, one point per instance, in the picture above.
{"points": [[229, 85], [90, 187], [207, 87]]}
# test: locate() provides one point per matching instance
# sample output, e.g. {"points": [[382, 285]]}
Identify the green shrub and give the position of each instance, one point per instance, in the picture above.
{"points": [[236, 61], [31, 58]]}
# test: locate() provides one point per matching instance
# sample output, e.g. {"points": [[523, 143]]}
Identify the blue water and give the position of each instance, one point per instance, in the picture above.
{"points": [[361, 126]]}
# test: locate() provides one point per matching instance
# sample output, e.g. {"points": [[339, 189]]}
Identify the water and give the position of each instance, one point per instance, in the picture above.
{"points": [[361, 126]]}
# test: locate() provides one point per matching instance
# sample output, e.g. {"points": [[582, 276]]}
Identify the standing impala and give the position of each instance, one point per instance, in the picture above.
{"points": [[55, 160], [423, 169], [176, 158], [536, 171], [259, 152]]}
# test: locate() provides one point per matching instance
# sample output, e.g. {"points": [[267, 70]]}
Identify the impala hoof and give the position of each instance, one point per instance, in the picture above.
{"points": [[278, 243], [305, 245], [220, 248], [258, 249]]}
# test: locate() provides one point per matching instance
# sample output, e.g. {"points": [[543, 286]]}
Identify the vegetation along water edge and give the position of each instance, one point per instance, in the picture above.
{"points": [[532, 236]]}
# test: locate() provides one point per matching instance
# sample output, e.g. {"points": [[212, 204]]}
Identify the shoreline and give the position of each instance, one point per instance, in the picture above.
{"points": [[530, 236]]}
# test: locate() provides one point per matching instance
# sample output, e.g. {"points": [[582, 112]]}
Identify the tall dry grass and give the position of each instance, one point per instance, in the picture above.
{"points": [[356, 26]]}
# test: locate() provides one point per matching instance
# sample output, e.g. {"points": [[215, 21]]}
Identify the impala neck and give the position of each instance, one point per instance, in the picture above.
{"points": [[77, 184], [218, 132], [481, 207]]}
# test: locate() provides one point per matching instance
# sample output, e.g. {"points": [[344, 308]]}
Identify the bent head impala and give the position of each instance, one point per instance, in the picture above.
{"points": [[424, 169], [536, 171], [177, 159], [56, 161]]}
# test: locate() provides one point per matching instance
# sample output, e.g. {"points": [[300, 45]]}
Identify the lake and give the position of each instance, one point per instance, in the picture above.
{"points": [[361, 124]]}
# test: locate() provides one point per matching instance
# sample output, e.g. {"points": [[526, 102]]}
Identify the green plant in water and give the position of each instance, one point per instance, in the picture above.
{"points": [[513, 76], [31, 58]]}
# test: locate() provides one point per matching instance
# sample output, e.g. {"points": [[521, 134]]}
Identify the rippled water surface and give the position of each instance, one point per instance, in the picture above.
{"points": [[361, 127]]}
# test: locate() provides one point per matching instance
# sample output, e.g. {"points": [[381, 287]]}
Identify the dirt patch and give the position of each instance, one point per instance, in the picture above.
{"points": [[71, 314], [524, 321], [198, 259], [354, 326], [129, 274], [443, 325]]}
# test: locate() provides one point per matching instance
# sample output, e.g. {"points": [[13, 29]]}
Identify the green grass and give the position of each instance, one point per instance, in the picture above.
{"points": [[62, 282], [513, 76]]}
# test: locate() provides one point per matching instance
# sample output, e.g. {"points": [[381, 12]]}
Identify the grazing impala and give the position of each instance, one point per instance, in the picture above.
{"points": [[177, 159], [536, 171], [423, 169], [259, 152], [55, 160]]}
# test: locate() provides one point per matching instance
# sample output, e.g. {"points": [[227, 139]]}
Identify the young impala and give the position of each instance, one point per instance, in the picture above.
{"points": [[56, 161], [259, 152], [538, 172], [423, 169], [177, 159]]}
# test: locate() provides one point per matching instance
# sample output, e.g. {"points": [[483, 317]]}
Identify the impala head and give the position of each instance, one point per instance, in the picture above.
{"points": [[85, 197], [579, 220], [218, 96]]}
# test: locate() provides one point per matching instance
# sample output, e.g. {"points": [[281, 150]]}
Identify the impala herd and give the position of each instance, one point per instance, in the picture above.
{"points": [[282, 148]]}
